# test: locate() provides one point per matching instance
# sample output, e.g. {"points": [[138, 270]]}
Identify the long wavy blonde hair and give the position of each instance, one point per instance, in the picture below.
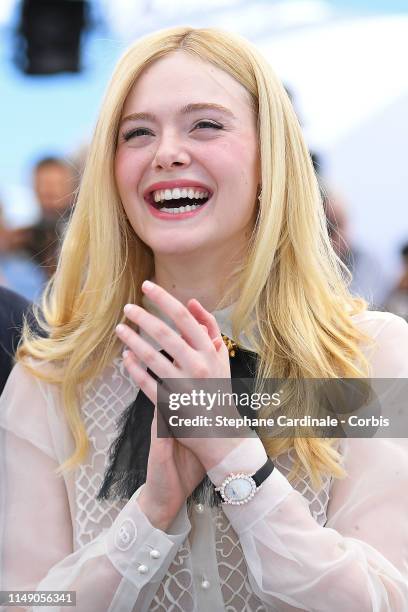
{"points": [[291, 284]]}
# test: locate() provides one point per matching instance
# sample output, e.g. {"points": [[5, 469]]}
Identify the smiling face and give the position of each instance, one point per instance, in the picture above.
{"points": [[187, 162]]}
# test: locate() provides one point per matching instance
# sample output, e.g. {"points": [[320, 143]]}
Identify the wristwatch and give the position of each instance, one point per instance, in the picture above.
{"points": [[239, 489]]}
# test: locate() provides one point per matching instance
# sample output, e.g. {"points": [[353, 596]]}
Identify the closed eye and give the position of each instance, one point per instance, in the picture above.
{"points": [[208, 124], [136, 132]]}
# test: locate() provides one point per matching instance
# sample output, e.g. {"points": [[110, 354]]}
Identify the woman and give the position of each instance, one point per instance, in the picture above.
{"points": [[197, 116]]}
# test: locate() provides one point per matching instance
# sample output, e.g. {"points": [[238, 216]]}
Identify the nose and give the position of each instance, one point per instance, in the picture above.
{"points": [[171, 152]]}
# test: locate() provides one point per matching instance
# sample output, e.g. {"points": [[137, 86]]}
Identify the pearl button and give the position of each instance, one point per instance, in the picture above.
{"points": [[205, 584], [155, 554], [142, 569], [199, 508]]}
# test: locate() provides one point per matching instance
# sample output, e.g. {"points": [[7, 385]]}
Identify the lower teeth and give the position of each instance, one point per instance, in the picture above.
{"points": [[180, 209]]}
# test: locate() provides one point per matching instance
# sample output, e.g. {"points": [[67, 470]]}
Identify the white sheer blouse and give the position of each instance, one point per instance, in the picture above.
{"points": [[342, 548]]}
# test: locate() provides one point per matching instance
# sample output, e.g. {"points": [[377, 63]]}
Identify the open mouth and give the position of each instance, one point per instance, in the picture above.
{"points": [[178, 200]]}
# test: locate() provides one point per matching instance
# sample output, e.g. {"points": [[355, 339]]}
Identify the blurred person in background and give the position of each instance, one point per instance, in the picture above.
{"points": [[368, 279], [397, 301], [53, 182], [28, 255]]}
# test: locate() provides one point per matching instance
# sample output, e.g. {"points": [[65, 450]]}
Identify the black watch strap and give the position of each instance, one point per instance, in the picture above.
{"points": [[262, 474]]}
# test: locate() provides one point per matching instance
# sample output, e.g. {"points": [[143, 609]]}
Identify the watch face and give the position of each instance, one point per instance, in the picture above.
{"points": [[238, 489]]}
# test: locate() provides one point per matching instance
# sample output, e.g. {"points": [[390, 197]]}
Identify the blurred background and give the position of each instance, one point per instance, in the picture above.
{"points": [[343, 64]]}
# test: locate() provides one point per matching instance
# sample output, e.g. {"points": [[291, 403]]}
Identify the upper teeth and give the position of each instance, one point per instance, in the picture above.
{"points": [[175, 194]]}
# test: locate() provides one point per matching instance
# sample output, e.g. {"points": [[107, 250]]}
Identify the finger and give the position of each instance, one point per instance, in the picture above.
{"points": [[204, 318], [168, 339], [141, 377], [179, 314], [218, 343], [207, 320], [204, 327], [143, 351]]}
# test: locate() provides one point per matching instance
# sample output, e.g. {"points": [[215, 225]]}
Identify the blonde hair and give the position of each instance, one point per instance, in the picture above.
{"points": [[292, 285]]}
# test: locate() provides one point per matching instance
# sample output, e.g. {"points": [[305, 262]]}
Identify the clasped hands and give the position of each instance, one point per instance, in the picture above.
{"points": [[198, 353]]}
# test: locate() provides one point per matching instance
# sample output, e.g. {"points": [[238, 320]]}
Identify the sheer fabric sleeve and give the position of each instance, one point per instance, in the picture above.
{"points": [[359, 560], [115, 571]]}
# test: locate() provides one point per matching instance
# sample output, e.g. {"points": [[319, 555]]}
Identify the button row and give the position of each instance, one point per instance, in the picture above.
{"points": [[154, 554], [205, 584]]}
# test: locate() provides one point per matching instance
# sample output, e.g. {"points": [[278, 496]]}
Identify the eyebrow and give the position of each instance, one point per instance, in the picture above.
{"points": [[185, 110]]}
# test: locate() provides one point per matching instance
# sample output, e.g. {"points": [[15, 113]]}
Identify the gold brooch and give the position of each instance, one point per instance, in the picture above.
{"points": [[230, 344]]}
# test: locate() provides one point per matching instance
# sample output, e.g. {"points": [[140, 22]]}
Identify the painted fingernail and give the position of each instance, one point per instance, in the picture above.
{"points": [[147, 285]]}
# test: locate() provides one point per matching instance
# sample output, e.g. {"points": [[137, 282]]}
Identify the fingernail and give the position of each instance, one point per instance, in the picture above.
{"points": [[120, 328], [127, 308], [125, 353], [147, 285], [217, 342]]}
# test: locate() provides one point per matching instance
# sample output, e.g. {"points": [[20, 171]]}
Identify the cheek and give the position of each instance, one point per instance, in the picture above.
{"points": [[127, 179], [121, 172], [127, 172], [237, 164]]}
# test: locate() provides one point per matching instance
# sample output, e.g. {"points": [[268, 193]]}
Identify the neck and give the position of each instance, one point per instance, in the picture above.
{"points": [[194, 276]]}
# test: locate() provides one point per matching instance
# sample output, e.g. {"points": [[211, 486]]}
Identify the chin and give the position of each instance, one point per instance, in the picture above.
{"points": [[176, 243], [177, 248]]}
